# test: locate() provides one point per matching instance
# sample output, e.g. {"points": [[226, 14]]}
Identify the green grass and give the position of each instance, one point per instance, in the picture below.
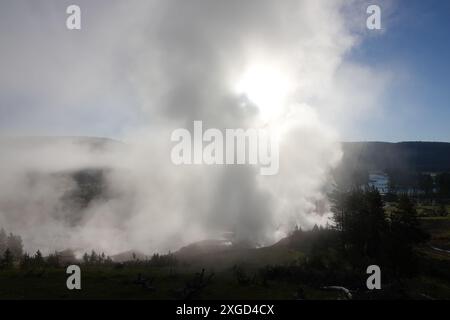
{"points": [[439, 229], [431, 210], [109, 283]]}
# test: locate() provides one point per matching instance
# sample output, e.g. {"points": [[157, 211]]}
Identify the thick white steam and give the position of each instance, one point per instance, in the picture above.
{"points": [[145, 68]]}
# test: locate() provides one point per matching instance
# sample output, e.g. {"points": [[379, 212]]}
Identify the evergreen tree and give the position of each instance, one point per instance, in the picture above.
{"points": [[3, 238], [53, 260], [375, 223], [405, 234], [443, 184], [38, 260], [86, 258], [26, 261], [405, 222], [338, 208], [14, 243], [359, 216], [426, 184], [93, 258], [8, 259]]}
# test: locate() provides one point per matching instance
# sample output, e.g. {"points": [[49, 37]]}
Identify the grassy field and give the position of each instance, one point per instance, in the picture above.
{"points": [[439, 229], [432, 210], [166, 283]]}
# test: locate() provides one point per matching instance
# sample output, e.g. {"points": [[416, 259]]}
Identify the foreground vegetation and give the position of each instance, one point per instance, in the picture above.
{"points": [[314, 264]]}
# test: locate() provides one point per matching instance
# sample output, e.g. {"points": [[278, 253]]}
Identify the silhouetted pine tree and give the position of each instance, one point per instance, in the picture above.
{"points": [[405, 233], [38, 260], [86, 258], [26, 261], [14, 243], [8, 258]]}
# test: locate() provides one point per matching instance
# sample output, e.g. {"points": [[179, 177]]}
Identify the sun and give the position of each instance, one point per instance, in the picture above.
{"points": [[267, 87]]}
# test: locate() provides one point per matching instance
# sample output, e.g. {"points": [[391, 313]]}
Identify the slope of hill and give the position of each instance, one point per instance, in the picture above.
{"points": [[94, 143], [410, 156]]}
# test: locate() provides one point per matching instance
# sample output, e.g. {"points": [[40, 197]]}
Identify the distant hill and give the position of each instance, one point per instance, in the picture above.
{"points": [[219, 255], [410, 156], [92, 143], [130, 255], [83, 180], [375, 156]]}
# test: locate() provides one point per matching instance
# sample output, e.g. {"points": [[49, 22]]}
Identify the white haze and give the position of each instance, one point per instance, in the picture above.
{"points": [[145, 68]]}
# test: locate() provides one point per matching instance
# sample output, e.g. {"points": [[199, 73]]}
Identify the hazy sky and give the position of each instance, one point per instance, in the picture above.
{"points": [[59, 82], [417, 44]]}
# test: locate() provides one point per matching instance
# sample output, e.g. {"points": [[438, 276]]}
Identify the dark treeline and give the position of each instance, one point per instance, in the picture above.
{"points": [[11, 249], [424, 186], [363, 234], [13, 256], [420, 169], [156, 260], [370, 235], [420, 185]]}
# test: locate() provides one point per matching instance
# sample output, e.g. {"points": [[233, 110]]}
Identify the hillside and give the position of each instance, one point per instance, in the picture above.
{"points": [[409, 156]]}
